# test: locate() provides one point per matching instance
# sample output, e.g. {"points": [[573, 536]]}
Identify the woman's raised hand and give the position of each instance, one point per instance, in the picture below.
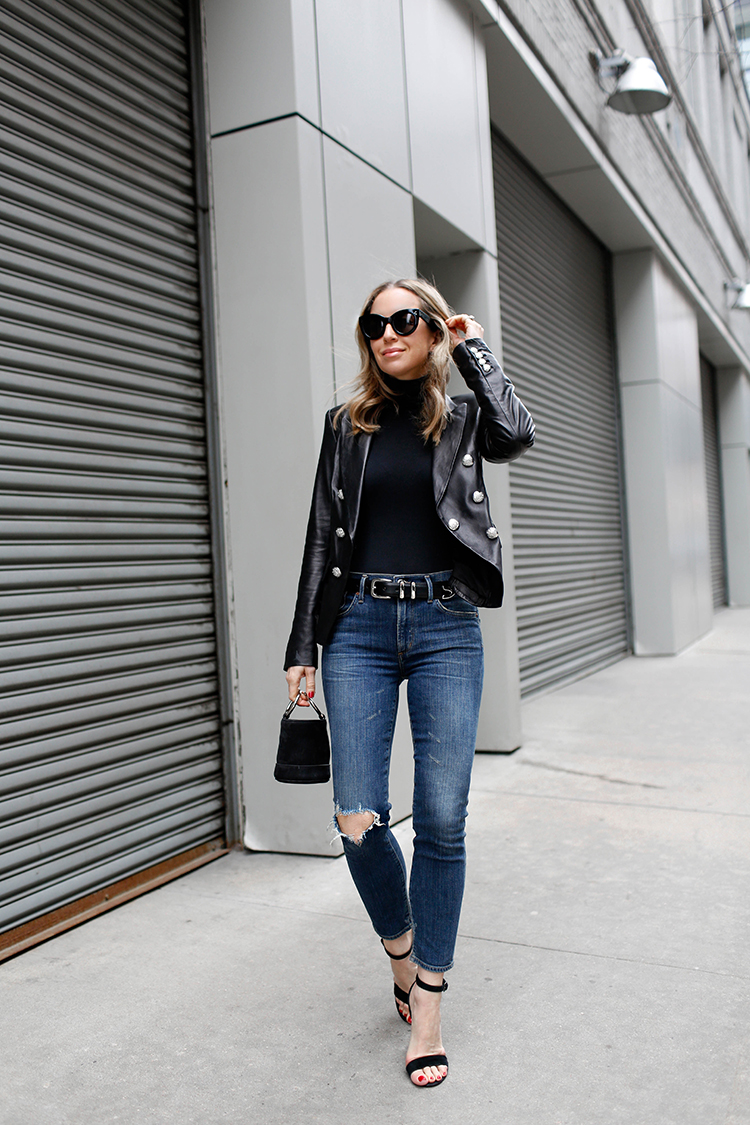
{"points": [[466, 325], [294, 677]]}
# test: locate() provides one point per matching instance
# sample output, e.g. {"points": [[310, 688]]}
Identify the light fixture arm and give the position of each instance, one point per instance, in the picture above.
{"points": [[609, 66], [741, 291]]}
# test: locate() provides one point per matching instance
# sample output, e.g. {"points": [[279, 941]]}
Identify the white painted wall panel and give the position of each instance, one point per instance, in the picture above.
{"points": [[687, 519], [450, 171], [484, 138], [679, 358], [469, 283], [663, 454], [362, 87], [261, 61], [370, 239], [733, 392], [646, 501], [276, 374]]}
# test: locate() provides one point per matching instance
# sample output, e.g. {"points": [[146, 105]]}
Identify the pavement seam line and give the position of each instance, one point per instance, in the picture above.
{"points": [[603, 801], [585, 773], [276, 906], [605, 956], [494, 941]]}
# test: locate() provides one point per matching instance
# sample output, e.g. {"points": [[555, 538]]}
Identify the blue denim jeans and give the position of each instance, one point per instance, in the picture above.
{"points": [[437, 647]]}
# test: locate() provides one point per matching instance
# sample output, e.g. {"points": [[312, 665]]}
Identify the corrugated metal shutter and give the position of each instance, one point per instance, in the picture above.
{"points": [[713, 484], [109, 736], [557, 348]]}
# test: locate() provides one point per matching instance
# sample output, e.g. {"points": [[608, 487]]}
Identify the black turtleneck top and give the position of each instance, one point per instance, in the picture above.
{"points": [[398, 531]]}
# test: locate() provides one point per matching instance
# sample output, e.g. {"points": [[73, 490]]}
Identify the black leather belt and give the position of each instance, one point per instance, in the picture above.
{"points": [[401, 589]]}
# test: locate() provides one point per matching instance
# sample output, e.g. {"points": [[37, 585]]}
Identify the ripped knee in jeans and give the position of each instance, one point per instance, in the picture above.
{"points": [[354, 824]]}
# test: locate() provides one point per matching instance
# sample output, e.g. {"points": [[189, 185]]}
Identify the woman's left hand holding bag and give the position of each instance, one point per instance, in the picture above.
{"points": [[294, 678], [304, 753]]}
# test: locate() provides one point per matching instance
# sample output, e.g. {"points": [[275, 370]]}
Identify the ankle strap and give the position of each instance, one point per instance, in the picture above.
{"points": [[399, 956], [432, 987]]}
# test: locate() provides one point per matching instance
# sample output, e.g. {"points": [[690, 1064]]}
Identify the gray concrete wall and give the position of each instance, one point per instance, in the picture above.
{"points": [[351, 143], [345, 142]]}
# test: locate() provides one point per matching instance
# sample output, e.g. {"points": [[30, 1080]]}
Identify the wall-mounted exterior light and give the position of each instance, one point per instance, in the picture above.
{"points": [[638, 86]]}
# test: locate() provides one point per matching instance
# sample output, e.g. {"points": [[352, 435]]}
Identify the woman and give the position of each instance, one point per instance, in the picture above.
{"points": [[400, 552]]}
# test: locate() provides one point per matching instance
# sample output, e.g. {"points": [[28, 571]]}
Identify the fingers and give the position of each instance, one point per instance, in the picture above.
{"points": [[294, 680], [462, 327], [294, 677], [466, 323]]}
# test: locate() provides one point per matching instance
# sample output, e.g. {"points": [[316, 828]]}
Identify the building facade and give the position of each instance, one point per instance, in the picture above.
{"points": [[198, 196]]}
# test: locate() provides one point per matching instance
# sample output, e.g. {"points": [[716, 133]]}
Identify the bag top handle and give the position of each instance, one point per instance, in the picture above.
{"points": [[293, 703]]}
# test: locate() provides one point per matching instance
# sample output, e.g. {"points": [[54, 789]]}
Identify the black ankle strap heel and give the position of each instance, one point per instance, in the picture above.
{"points": [[431, 987], [400, 956], [428, 1060], [400, 995]]}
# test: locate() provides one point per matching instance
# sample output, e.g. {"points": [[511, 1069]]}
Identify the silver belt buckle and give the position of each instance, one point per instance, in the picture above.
{"points": [[381, 597]]}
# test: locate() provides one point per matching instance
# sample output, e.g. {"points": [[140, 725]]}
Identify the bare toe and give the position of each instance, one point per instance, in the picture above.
{"points": [[429, 1075]]}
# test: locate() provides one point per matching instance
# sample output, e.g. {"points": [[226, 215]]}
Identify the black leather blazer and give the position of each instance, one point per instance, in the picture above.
{"points": [[491, 424]]}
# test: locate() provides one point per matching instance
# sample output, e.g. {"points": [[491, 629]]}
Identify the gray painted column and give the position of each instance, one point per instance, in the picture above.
{"points": [[276, 380], [734, 435], [276, 366], [294, 260], [469, 283], [665, 483]]}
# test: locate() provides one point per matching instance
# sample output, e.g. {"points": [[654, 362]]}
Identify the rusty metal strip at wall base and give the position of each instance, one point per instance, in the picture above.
{"points": [[41, 929]]}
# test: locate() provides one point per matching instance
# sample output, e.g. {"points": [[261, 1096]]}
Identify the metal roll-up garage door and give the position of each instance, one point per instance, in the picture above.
{"points": [[110, 759], [566, 509], [711, 449]]}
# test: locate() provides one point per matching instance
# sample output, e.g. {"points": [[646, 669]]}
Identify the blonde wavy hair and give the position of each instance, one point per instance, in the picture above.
{"points": [[370, 391]]}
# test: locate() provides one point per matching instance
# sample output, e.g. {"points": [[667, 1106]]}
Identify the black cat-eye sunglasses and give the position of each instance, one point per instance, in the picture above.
{"points": [[403, 323]]}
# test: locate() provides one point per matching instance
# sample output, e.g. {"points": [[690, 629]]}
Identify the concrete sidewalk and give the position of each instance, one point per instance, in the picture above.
{"points": [[602, 969]]}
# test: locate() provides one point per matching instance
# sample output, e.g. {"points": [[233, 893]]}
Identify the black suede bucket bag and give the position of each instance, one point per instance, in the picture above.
{"points": [[304, 753]]}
